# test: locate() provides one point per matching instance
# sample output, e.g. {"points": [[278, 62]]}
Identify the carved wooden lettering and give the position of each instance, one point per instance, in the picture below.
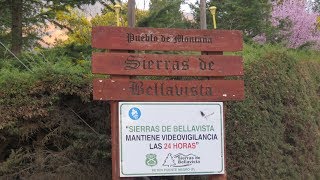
{"points": [[168, 90], [166, 65], [118, 38]]}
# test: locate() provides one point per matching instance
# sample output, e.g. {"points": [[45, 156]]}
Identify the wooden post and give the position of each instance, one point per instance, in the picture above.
{"points": [[114, 139], [203, 17], [203, 25], [131, 13], [221, 176], [114, 109]]}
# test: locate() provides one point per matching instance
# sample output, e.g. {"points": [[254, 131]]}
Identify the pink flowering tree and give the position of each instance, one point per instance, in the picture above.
{"points": [[296, 24]]}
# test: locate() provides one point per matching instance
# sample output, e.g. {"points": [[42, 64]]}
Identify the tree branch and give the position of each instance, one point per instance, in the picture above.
{"points": [[62, 26]]}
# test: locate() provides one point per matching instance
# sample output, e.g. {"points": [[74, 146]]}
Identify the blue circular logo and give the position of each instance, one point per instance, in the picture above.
{"points": [[134, 113]]}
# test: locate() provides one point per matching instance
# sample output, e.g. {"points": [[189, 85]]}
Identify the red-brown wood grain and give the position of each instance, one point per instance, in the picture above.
{"points": [[117, 38], [166, 65], [168, 90]]}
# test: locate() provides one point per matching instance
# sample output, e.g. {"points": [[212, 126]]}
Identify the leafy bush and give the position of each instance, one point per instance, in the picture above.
{"points": [[275, 131], [49, 126]]}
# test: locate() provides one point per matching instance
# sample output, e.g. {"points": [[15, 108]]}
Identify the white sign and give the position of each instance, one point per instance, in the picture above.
{"points": [[163, 139]]}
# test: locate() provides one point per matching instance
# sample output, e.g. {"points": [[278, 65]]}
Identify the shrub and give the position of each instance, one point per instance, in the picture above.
{"points": [[275, 131], [49, 126]]}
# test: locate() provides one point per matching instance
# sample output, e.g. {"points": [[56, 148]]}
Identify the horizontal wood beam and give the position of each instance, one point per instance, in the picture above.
{"points": [[117, 38], [168, 90], [166, 65]]}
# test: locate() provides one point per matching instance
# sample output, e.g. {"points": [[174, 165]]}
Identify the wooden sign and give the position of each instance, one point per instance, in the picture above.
{"points": [[166, 65], [168, 90], [122, 88], [118, 38]]}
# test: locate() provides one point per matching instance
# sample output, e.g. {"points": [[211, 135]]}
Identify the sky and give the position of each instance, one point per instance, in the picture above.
{"points": [[92, 10], [144, 4]]}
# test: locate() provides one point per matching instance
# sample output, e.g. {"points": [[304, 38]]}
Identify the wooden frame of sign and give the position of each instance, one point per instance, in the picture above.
{"points": [[124, 67]]}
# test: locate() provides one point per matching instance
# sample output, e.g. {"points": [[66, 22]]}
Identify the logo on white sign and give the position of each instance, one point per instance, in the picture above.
{"points": [[181, 160], [134, 113]]}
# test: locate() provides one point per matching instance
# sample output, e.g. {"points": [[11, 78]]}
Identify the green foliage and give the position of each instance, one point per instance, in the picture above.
{"points": [[49, 126], [255, 52], [275, 131], [250, 16], [33, 20], [79, 26], [164, 14]]}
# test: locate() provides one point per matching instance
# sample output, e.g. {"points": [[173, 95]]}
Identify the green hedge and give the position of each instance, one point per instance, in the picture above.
{"points": [[275, 132], [50, 128]]}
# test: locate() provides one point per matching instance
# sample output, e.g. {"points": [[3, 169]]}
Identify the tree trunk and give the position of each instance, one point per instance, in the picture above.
{"points": [[16, 26]]}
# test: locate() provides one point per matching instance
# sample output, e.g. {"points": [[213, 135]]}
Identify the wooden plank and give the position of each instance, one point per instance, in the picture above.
{"points": [[168, 90], [166, 39], [166, 65]]}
